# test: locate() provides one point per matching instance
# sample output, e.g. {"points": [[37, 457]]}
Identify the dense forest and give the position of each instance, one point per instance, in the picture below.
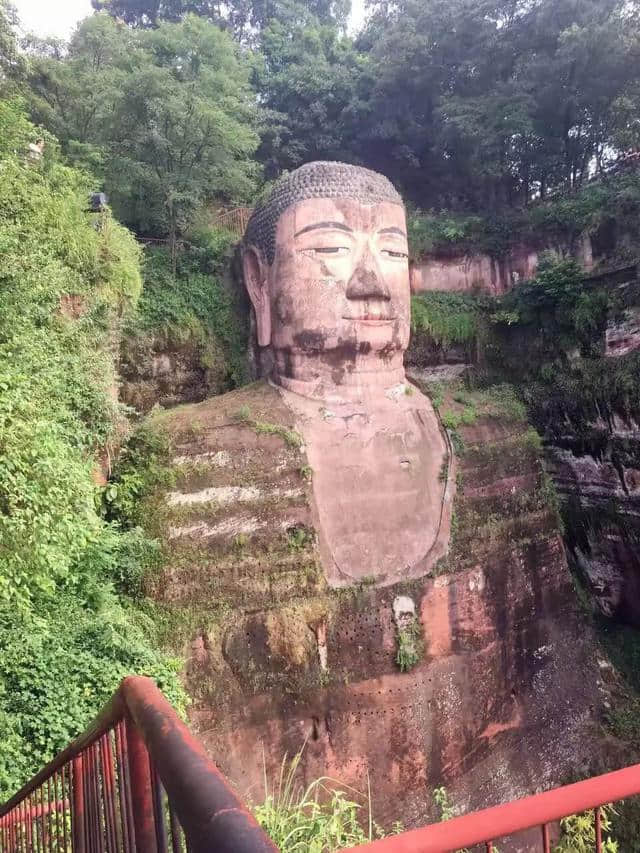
{"points": [[494, 119]]}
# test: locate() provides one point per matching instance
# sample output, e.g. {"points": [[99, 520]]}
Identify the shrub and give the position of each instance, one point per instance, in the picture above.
{"points": [[319, 818], [67, 279]]}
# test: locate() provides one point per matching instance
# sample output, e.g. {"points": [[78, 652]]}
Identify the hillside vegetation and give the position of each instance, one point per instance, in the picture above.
{"points": [[68, 635], [497, 120]]}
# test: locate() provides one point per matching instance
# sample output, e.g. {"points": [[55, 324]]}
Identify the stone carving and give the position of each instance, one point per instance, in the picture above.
{"points": [[326, 267]]}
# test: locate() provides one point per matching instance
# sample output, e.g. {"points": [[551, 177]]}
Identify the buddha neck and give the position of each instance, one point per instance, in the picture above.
{"points": [[350, 380]]}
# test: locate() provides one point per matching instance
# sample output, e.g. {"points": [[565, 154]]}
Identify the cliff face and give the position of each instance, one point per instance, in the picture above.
{"points": [[155, 369], [600, 486], [503, 690], [478, 271]]}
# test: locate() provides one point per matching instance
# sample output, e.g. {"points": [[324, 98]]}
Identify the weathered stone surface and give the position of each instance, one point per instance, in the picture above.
{"points": [[501, 701], [157, 370], [623, 334], [383, 482], [601, 491], [328, 280], [478, 271], [304, 511]]}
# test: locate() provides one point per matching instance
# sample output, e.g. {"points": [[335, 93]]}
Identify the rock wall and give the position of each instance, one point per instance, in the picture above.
{"points": [[477, 271], [157, 369], [600, 485], [504, 692]]}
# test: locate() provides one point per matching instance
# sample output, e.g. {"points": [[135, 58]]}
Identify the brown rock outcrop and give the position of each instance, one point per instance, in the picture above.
{"points": [[501, 700], [463, 271]]}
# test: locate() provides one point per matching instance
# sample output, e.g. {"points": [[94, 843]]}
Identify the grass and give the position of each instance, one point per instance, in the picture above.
{"points": [[289, 436], [319, 818], [409, 646]]}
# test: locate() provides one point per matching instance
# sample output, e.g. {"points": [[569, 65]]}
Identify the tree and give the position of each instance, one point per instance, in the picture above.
{"points": [[12, 64], [141, 13], [306, 82], [483, 103], [245, 19], [169, 110]]}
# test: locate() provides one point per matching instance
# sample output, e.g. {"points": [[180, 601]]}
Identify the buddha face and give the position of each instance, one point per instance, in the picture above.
{"points": [[338, 288]]}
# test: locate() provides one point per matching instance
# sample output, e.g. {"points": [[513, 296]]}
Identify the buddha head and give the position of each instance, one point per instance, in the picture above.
{"points": [[326, 267]]}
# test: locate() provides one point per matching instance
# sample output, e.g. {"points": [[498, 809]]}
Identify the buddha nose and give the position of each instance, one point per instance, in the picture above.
{"points": [[366, 282]]}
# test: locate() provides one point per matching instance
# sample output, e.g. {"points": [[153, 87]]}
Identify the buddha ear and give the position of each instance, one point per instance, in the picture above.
{"points": [[257, 284]]}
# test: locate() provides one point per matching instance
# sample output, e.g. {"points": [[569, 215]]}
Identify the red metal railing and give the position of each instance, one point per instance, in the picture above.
{"points": [[136, 781], [489, 825], [234, 220]]}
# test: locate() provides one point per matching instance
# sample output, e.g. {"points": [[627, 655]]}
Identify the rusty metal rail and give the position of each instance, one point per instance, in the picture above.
{"points": [[136, 781], [234, 220], [540, 810]]}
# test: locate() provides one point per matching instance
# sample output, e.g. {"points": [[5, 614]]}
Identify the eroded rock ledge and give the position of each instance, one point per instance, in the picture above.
{"points": [[504, 692]]}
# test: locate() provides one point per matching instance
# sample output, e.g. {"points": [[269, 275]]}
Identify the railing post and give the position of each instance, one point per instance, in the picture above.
{"points": [[77, 811], [141, 793]]}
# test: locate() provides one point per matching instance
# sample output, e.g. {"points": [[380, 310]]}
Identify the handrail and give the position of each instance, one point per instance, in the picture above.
{"points": [[114, 778], [538, 810], [111, 714], [137, 780]]}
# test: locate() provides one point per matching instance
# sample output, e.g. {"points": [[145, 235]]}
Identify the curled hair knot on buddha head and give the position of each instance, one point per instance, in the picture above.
{"points": [[321, 179]]}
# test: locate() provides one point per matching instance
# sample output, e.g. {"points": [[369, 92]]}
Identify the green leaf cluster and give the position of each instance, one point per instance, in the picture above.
{"points": [[194, 305], [319, 818], [67, 279], [446, 317], [165, 115], [579, 832]]}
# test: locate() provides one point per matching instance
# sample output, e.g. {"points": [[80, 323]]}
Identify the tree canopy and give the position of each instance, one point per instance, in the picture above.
{"points": [[471, 105], [165, 115]]}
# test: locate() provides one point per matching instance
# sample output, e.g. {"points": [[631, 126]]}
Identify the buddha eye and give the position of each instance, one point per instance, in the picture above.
{"points": [[391, 253], [331, 250]]}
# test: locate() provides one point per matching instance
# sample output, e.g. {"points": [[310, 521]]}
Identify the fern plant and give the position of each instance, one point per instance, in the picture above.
{"points": [[579, 832]]}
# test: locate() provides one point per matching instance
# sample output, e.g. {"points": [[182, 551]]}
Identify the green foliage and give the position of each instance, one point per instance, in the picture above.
{"points": [[289, 436], [193, 306], [409, 646], [579, 833], [299, 538], [63, 284], [452, 420], [320, 818], [166, 114], [446, 231], [551, 344], [473, 108], [12, 62], [307, 77], [59, 667], [446, 317], [445, 809], [66, 639], [480, 107], [142, 468]]}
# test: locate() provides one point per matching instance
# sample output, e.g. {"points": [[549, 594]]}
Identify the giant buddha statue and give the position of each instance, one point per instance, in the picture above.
{"points": [[302, 534], [326, 267]]}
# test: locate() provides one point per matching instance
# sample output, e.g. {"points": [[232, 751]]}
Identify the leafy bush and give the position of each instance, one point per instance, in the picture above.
{"points": [[565, 217], [66, 280], [445, 232], [143, 467], [194, 306], [59, 666], [319, 818], [409, 648], [446, 317], [579, 833]]}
